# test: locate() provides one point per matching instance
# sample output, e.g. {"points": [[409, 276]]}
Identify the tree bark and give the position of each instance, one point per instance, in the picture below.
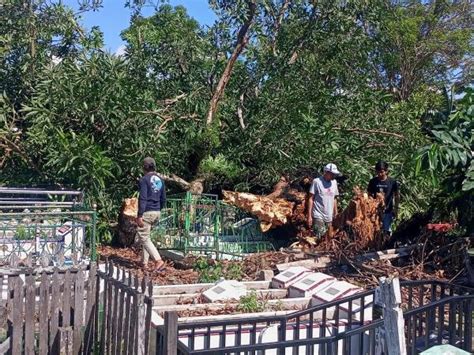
{"points": [[242, 41]]}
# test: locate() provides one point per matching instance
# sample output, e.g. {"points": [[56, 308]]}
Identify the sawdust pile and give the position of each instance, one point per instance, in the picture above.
{"points": [[358, 227]]}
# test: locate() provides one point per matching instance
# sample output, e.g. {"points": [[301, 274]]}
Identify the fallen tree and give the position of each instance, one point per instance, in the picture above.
{"points": [[356, 228]]}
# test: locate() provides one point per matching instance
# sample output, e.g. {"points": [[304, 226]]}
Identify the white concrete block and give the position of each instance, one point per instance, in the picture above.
{"points": [[310, 284], [225, 290], [290, 276]]}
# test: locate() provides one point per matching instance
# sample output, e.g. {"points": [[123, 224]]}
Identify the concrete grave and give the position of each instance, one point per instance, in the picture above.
{"points": [[290, 276], [342, 289], [225, 290], [310, 284]]}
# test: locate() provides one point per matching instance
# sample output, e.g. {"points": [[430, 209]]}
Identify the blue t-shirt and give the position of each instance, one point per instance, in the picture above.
{"points": [[152, 194]]}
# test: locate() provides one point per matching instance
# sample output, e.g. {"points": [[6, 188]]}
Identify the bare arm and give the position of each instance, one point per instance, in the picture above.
{"points": [[335, 207], [309, 217]]}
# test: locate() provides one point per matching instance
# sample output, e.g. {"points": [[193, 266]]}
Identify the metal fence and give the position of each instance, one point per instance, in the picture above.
{"points": [[55, 224], [204, 225], [435, 313]]}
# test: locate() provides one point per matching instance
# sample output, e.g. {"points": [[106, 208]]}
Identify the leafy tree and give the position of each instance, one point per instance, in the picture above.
{"points": [[449, 157], [273, 87]]}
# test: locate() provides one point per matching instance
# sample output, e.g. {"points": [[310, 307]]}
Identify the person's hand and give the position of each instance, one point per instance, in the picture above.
{"points": [[309, 222], [139, 221]]}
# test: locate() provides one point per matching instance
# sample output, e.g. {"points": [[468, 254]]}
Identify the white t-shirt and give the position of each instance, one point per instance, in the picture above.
{"points": [[324, 194]]}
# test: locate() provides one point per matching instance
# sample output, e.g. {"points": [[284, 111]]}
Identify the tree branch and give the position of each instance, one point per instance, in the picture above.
{"points": [[175, 179], [172, 101], [240, 111], [278, 23], [10, 145], [242, 40]]}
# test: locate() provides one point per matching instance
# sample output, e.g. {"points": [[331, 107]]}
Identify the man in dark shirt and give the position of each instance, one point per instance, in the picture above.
{"points": [[152, 199], [382, 183]]}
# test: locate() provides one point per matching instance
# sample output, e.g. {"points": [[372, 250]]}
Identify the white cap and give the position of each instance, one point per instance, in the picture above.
{"points": [[332, 168]]}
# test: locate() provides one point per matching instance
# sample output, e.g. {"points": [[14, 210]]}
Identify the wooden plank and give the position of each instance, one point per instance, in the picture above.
{"points": [[43, 314], [66, 340], [171, 333], [90, 309], [110, 294], [320, 262], [54, 321], [14, 260], [119, 339], [66, 308], [78, 311], [5, 346], [103, 328], [113, 341], [132, 325], [10, 293], [394, 323], [95, 329], [136, 286], [17, 316], [126, 325], [387, 254], [141, 326], [149, 307], [30, 315]]}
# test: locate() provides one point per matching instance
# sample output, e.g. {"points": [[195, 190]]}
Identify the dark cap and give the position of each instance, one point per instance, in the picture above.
{"points": [[149, 163]]}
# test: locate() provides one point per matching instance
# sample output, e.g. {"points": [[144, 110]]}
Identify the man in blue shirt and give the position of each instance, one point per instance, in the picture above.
{"points": [[152, 198]]}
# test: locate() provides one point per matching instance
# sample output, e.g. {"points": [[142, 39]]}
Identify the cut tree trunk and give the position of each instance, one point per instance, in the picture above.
{"points": [[127, 227]]}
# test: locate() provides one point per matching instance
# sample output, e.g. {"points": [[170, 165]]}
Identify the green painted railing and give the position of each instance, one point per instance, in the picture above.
{"points": [[205, 225]]}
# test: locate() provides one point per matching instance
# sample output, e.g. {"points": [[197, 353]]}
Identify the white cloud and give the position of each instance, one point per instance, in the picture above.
{"points": [[120, 51]]}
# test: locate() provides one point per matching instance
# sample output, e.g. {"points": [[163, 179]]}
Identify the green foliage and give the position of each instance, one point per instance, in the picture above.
{"points": [[233, 271], [250, 303], [208, 273], [21, 233], [212, 270], [317, 82], [449, 156]]}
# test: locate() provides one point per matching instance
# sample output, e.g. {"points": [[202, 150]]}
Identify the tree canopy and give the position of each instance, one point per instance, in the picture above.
{"points": [[272, 87]]}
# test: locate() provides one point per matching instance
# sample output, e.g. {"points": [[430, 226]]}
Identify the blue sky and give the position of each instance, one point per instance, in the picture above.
{"points": [[113, 17]]}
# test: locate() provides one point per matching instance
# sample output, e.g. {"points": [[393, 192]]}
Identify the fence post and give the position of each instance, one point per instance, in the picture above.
{"points": [[66, 340], [171, 333], [141, 332], [394, 324]]}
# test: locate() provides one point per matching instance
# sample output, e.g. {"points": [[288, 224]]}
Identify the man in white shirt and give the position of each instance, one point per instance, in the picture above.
{"points": [[322, 204]]}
